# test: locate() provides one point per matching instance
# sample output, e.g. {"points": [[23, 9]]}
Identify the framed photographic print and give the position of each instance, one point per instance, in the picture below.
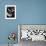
{"points": [[33, 32], [10, 11]]}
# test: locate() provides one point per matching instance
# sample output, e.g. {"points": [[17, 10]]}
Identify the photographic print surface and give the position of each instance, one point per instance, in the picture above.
{"points": [[29, 35], [10, 11], [32, 32]]}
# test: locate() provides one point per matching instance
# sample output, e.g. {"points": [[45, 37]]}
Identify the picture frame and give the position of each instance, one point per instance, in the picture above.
{"points": [[10, 11], [36, 32]]}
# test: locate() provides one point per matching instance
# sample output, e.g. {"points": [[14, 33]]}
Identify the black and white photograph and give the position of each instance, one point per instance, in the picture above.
{"points": [[10, 11]]}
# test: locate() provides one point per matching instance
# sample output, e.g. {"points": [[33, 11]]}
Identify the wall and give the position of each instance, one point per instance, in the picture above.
{"points": [[6, 26], [28, 12], [31, 11]]}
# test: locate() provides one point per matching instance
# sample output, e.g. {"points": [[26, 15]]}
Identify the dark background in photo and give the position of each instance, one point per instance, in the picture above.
{"points": [[11, 12]]}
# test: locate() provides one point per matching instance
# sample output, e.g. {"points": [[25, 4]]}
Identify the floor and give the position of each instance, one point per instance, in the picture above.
{"points": [[30, 43], [7, 45]]}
